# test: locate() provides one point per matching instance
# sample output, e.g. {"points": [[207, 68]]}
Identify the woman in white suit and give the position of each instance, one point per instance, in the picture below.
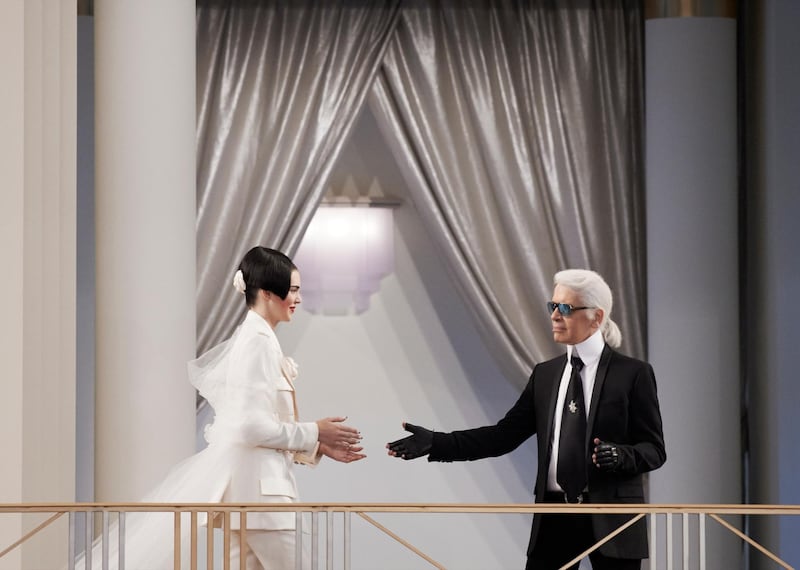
{"points": [[250, 385], [254, 441]]}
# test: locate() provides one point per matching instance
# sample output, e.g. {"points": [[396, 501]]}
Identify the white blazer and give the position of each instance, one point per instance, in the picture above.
{"points": [[259, 413]]}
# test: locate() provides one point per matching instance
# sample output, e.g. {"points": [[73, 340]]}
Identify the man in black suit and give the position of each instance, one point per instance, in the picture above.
{"points": [[587, 454]]}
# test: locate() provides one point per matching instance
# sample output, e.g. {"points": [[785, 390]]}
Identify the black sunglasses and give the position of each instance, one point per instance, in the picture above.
{"points": [[564, 308]]}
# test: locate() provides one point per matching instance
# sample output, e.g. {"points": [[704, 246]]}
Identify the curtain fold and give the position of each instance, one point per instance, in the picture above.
{"points": [[518, 127], [279, 85]]}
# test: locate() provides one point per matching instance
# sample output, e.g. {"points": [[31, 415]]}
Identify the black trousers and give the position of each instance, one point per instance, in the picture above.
{"points": [[562, 537]]}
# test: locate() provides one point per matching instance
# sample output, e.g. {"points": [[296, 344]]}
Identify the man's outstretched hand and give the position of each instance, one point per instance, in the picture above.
{"points": [[413, 446]]}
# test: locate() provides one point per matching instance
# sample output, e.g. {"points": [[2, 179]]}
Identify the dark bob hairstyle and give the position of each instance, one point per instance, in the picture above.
{"points": [[267, 269]]}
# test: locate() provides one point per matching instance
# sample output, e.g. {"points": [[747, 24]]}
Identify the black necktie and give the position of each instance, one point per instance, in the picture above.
{"points": [[571, 469]]}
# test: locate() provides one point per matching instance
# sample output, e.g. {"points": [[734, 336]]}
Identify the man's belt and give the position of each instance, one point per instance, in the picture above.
{"points": [[561, 497]]}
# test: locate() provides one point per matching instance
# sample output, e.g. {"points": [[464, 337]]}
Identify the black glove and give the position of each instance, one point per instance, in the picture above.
{"points": [[413, 446], [607, 456]]}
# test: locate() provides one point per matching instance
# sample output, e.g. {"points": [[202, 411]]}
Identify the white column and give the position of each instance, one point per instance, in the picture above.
{"points": [[693, 262], [145, 241], [37, 256]]}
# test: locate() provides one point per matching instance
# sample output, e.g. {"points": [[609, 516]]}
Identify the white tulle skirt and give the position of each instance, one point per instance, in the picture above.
{"points": [[149, 540]]}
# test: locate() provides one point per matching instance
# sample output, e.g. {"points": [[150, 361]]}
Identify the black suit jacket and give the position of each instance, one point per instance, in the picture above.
{"points": [[624, 410]]}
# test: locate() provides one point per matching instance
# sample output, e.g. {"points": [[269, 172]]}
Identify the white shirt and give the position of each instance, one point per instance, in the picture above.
{"points": [[589, 352]]}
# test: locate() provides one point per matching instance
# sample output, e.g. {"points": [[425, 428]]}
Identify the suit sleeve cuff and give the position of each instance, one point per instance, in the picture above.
{"points": [[311, 458], [438, 445]]}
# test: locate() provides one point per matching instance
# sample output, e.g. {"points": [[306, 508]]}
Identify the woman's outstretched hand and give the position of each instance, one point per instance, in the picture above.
{"points": [[335, 434], [352, 453]]}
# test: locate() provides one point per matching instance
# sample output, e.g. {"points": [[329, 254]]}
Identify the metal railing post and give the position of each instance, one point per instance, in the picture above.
{"points": [[105, 540], [298, 540], [347, 540], [71, 543], [653, 539], [314, 540], [88, 523], [329, 540], [685, 523], [670, 545], [701, 522], [121, 539]]}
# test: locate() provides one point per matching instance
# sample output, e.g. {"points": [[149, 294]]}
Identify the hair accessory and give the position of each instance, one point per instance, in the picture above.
{"points": [[238, 282]]}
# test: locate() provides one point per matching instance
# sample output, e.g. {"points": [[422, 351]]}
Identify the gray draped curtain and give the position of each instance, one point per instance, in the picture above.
{"points": [[518, 126], [279, 85]]}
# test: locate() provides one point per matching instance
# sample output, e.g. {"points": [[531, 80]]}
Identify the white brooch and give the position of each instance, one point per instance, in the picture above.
{"points": [[573, 408]]}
